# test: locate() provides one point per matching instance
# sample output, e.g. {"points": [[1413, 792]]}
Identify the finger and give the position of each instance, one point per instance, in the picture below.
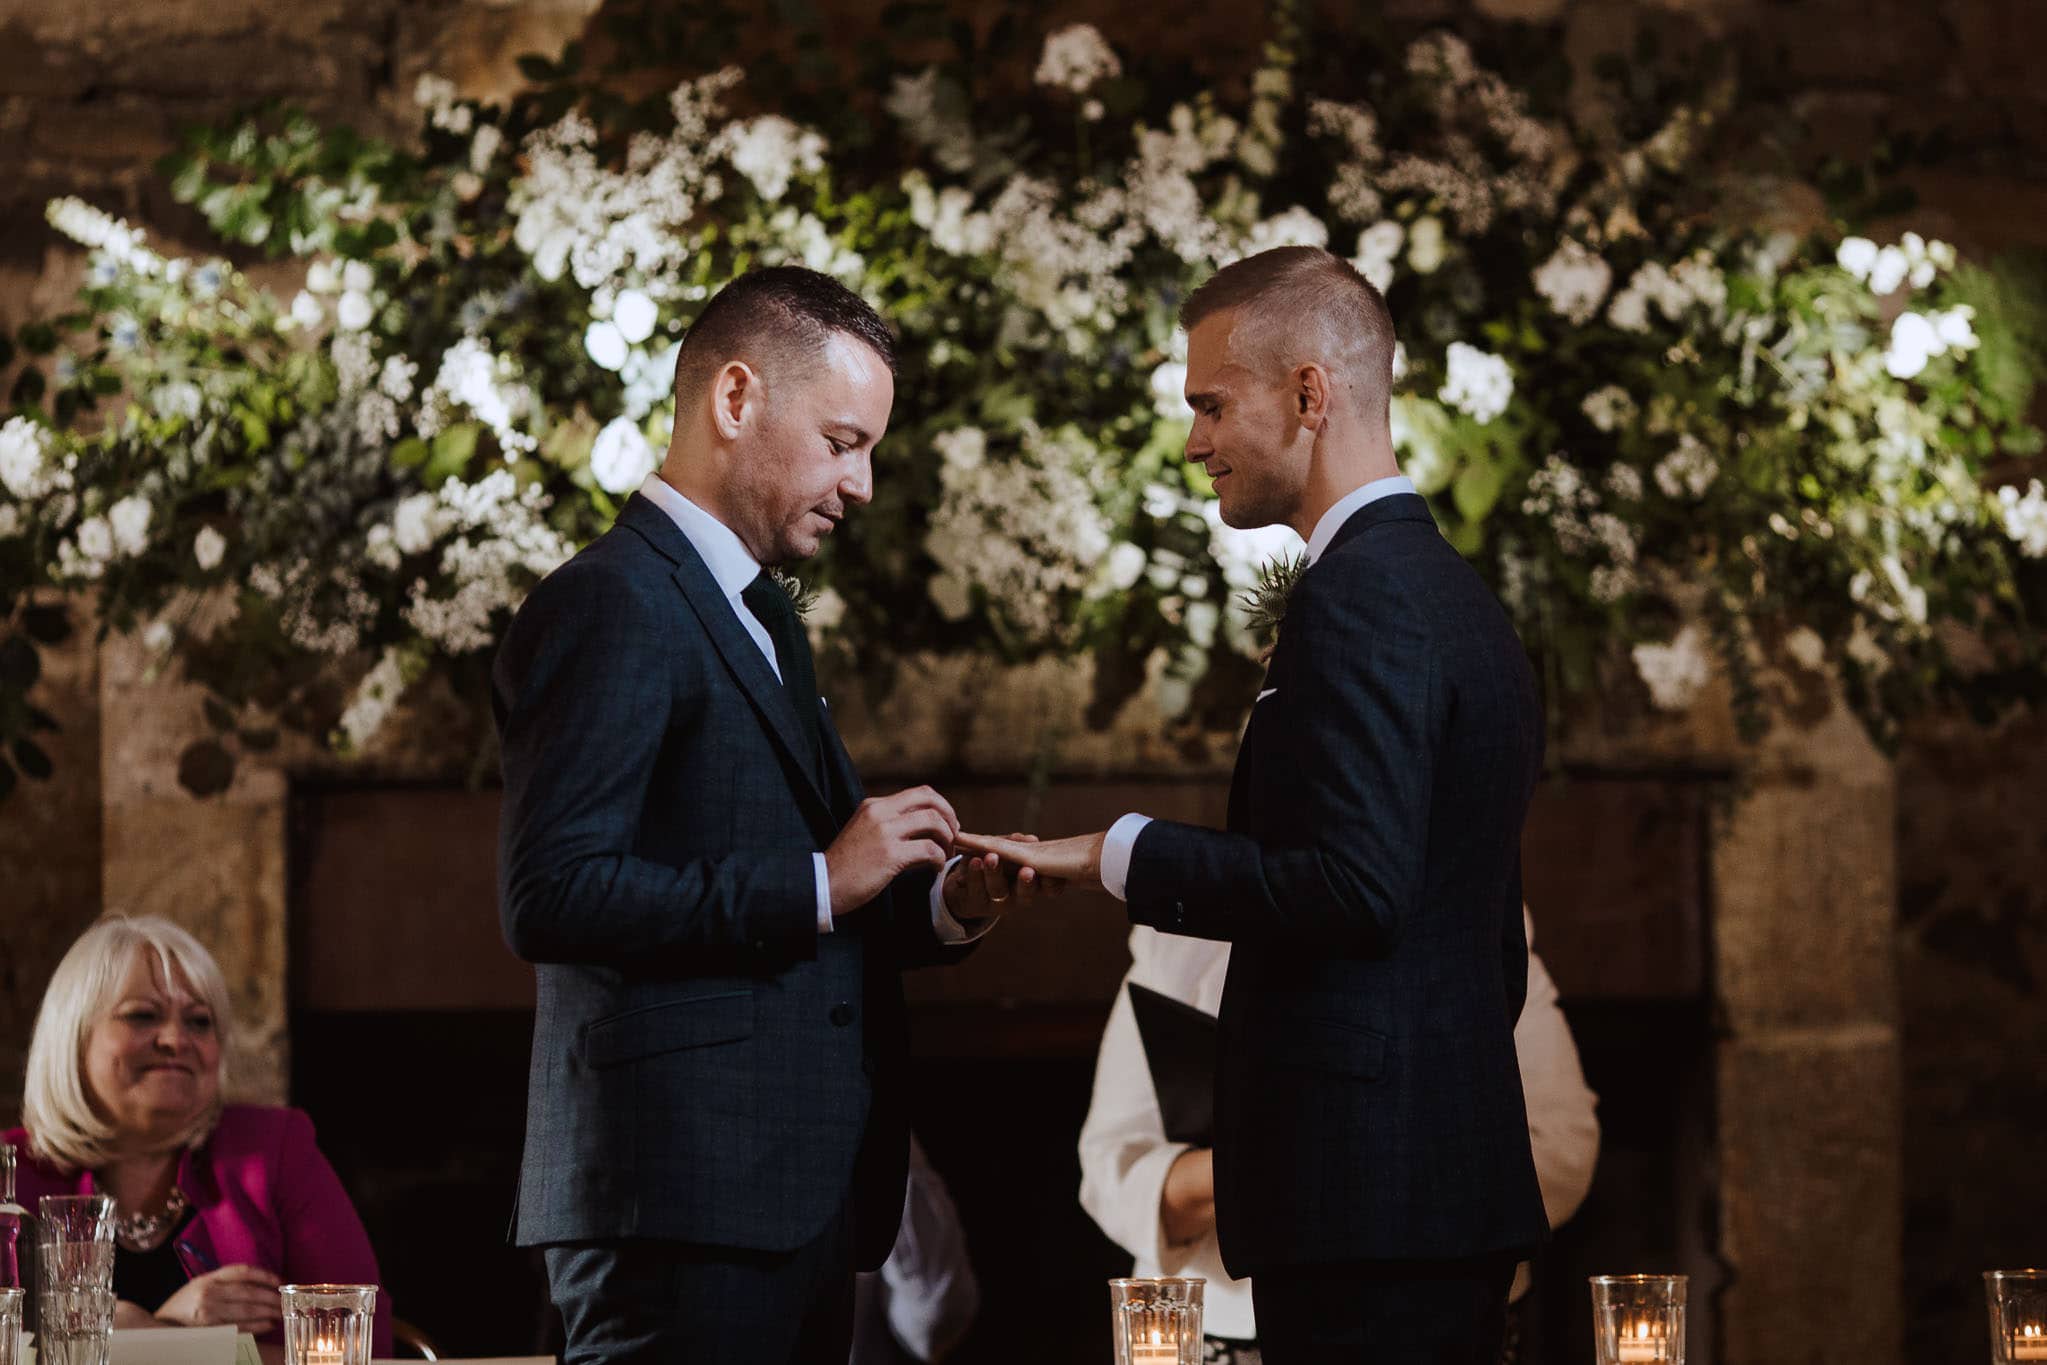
{"points": [[1007, 849], [243, 1273], [921, 824], [1024, 838], [923, 852]]}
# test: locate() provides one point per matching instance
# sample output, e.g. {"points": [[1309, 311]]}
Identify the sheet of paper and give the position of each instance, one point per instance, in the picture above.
{"points": [[175, 1346], [245, 1350]]}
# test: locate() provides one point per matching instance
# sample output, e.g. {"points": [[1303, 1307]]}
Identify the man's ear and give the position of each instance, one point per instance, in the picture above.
{"points": [[735, 395], [1312, 395]]}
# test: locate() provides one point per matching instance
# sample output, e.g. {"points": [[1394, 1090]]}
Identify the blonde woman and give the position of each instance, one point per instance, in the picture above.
{"points": [[215, 1205]]}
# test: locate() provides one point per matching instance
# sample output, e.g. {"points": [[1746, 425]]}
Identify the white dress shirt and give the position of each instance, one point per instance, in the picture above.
{"points": [[733, 568], [1122, 837], [1124, 1155]]}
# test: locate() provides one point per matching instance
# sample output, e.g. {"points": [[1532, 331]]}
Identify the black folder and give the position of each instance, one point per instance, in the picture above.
{"points": [[1179, 1047]]}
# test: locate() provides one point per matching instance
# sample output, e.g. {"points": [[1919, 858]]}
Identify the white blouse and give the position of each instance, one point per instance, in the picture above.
{"points": [[1124, 1155]]}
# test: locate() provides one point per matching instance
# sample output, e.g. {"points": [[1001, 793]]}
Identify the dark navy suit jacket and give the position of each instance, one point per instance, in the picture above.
{"points": [[1368, 1101], [706, 1066]]}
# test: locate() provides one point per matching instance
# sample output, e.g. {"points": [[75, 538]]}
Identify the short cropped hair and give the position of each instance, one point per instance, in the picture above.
{"points": [[1298, 304], [775, 317], [56, 1106]]}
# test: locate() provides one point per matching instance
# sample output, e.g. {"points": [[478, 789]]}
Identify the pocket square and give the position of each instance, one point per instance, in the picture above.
{"points": [[1266, 693]]}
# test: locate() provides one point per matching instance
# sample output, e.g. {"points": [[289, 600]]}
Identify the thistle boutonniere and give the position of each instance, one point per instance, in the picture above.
{"points": [[1265, 604], [800, 597]]}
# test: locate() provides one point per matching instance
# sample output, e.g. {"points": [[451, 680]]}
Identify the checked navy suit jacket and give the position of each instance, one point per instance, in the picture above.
{"points": [[1368, 1100], [706, 1066]]}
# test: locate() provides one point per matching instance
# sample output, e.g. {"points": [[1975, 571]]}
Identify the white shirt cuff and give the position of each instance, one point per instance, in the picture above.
{"points": [[824, 894], [948, 929], [1116, 850]]}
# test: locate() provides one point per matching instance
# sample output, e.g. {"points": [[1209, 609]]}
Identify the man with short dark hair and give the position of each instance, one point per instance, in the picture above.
{"points": [[716, 1135], [1372, 1169]]}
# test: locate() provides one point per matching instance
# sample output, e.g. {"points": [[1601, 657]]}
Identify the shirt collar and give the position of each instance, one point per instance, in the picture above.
{"points": [[724, 554], [1346, 506]]}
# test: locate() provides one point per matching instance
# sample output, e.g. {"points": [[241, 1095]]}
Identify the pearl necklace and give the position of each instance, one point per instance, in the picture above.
{"points": [[146, 1231]]}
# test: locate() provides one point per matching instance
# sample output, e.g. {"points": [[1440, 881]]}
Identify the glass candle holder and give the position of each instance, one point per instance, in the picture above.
{"points": [[1639, 1319], [1156, 1321], [74, 1279], [11, 1301], [328, 1324], [2018, 1315]]}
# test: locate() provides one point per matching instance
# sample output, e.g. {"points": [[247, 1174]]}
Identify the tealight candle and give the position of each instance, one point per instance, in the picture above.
{"points": [[1641, 1342], [2029, 1342]]}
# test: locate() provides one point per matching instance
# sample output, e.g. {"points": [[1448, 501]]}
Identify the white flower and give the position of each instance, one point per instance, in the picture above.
{"points": [[1956, 328], [1169, 391], [1889, 270], [1425, 250], [415, 523], [769, 151], [622, 457], [2025, 518], [1295, 227], [129, 520], [374, 697], [358, 277], [1379, 249], [1478, 383], [24, 467], [483, 148], [1629, 311], [306, 310], [157, 637], [1676, 672], [207, 549], [96, 539], [1864, 649], [1075, 57], [1688, 470], [179, 398], [354, 311], [962, 449], [634, 314], [1574, 280], [116, 242], [1609, 408], [1624, 481], [1806, 648], [1914, 341], [323, 278], [1126, 566], [606, 344], [1857, 256]]}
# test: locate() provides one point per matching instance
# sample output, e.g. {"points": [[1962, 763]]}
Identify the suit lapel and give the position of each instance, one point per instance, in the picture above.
{"points": [[741, 656]]}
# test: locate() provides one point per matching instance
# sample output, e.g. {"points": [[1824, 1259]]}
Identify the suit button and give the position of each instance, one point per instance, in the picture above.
{"points": [[842, 1014]]}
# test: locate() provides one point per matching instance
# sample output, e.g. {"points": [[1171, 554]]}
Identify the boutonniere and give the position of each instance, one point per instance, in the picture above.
{"points": [[1265, 604], [800, 597]]}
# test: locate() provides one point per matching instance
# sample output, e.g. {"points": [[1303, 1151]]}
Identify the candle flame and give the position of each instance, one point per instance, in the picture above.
{"points": [[2031, 1330], [1641, 1331]]}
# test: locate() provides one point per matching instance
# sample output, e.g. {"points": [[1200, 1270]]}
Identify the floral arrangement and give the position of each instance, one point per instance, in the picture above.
{"points": [[1666, 435]]}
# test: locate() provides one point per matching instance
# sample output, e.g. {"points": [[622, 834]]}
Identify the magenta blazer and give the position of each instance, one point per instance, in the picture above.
{"points": [[264, 1196]]}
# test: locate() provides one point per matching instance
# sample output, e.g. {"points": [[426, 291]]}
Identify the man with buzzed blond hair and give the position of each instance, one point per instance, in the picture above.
{"points": [[1371, 1162]]}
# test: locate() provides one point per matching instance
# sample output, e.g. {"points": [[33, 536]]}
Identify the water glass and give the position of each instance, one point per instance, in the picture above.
{"points": [[1638, 1319], [328, 1324], [2018, 1316], [10, 1325], [74, 1279], [1156, 1321]]}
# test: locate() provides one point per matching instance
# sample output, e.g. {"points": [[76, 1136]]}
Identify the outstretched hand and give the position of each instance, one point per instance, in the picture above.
{"points": [[981, 886], [1078, 859]]}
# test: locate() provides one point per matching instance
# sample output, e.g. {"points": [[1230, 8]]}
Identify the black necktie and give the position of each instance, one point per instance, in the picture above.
{"points": [[766, 600]]}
